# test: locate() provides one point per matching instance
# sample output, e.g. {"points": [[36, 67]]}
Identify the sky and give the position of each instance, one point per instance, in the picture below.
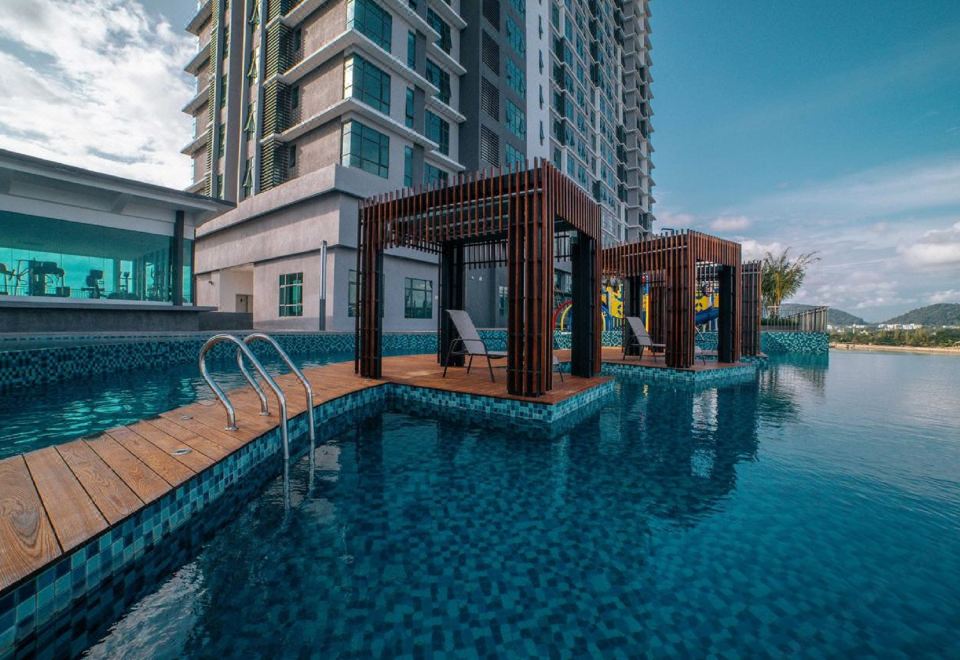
{"points": [[819, 125], [815, 125]]}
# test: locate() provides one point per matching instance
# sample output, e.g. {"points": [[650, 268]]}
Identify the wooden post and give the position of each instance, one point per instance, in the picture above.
{"points": [[452, 285]]}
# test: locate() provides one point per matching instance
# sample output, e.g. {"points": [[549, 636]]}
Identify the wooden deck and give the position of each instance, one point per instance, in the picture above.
{"points": [[55, 499], [424, 371]]}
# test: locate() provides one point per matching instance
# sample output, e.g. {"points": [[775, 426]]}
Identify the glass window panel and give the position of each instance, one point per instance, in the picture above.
{"points": [[418, 298], [47, 257], [375, 22]]}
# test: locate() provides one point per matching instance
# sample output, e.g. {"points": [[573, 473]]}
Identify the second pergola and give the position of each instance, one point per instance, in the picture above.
{"points": [[523, 219], [667, 268]]}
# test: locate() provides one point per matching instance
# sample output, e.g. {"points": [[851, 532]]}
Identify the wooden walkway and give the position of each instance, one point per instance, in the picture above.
{"points": [[54, 499], [57, 498]]}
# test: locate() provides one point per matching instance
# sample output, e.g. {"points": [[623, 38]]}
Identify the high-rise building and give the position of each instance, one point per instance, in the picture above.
{"points": [[305, 107], [302, 109], [567, 81]]}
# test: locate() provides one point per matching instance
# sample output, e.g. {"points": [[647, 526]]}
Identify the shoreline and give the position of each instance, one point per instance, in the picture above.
{"points": [[929, 350]]}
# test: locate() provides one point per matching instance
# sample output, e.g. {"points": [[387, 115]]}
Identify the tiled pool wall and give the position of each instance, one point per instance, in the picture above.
{"points": [[36, 366], [741, 373], [779, 343], [33, 604], [493, 411]]}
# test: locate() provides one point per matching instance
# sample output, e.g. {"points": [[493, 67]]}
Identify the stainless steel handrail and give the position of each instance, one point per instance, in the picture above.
{"points": [[264, 405], [259, 336], [231, 414]]}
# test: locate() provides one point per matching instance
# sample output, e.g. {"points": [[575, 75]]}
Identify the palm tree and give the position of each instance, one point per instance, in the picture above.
{"points": [[782, 277]]}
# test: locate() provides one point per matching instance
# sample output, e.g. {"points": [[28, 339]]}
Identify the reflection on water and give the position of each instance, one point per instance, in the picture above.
{"points": [[786, 516], [35, 417]]}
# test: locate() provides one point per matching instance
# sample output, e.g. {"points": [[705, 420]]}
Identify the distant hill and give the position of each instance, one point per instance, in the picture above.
{"points": [[939, 314], [834, 316]]}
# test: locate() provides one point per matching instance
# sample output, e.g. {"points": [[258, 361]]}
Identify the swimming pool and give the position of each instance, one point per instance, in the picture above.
{"points": [[817, 510], [42, 415]]}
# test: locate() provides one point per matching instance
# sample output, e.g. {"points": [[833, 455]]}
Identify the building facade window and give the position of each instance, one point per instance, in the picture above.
{"points": [[515, 37], [417, 298], [439, 79], [368, 17], [515, 120], [248, 179], [291, 294], [433, 175], [438, 131], [352, 285], [366, 83], [442, 29], [409, 109], [364, 148], [516, 78], [512, 155], [49, 257], [412, 50], [408, 166]]}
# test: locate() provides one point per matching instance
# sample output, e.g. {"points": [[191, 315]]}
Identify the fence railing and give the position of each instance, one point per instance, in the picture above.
{"points": [[809, 320]]}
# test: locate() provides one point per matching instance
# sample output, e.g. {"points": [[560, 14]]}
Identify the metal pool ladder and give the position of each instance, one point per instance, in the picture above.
{"points": [[243, 351], [308, 390]]}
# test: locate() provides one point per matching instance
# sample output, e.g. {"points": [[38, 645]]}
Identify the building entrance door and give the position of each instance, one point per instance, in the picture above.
{"points": [[244, 303]]}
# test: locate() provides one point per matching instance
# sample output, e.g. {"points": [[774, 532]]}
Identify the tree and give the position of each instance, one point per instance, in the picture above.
{"points": [[782, 277]]}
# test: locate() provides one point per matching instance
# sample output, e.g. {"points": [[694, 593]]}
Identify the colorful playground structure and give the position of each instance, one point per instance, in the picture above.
{"points": [[611, 307]]}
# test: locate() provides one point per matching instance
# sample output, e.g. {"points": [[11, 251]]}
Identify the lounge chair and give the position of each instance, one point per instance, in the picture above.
{"points": [[702, 353], [641, 338], [469, 342]]}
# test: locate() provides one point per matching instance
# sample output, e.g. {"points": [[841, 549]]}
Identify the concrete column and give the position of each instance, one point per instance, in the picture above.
{"points": [[176, 263]]}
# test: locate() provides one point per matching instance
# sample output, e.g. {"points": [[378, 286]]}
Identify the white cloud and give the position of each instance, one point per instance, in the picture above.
{"points": [[884, 191], [935, 248], [950, 296], [751, 250], [96, 83], [730, 223]]}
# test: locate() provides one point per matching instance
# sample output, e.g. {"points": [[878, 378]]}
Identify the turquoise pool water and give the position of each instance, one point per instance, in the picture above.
{"points": [[815, 512], [39, 416]]}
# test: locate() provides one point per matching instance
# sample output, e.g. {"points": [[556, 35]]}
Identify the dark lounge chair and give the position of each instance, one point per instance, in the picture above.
{"points": [[641, 338]]}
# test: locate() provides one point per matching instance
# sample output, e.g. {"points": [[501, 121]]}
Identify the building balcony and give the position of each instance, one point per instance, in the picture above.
{"points": [[204, 10], [449, 14], [197, 143], [201, 58], [197, 102]]}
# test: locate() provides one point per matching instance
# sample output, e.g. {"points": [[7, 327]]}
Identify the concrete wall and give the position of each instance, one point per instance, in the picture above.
{"points": [[323, 25], [233, 283]]}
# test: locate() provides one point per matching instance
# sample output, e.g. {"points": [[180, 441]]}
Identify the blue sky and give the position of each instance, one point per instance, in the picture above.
{"points": [[827, 125], [821, 125]]}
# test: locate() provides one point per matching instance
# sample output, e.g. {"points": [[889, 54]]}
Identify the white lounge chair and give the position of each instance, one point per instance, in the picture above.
{"points": [[641, 338]]}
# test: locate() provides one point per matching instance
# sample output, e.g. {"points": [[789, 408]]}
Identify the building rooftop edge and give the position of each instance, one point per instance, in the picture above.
{"points": [[53, 169]]}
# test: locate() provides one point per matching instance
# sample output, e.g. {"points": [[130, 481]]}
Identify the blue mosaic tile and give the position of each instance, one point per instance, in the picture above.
{"points": [[83, 572], [35, 366]]}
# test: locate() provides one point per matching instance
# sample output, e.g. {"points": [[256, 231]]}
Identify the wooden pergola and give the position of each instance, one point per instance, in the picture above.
{"points": [[523, 219], [668, 266], [752, 307]]}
